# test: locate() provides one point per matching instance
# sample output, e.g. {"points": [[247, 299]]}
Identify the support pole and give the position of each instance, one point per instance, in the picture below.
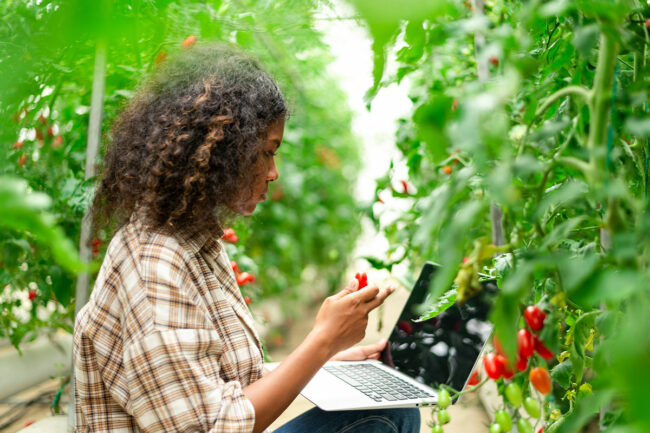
{"points": [[92, 150]]}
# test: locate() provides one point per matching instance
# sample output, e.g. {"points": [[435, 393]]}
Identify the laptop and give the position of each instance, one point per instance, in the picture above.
{"points": [[418, 357]]}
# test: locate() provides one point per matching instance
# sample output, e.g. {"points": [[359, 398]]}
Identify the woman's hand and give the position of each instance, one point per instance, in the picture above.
{"points": [[360, 353], [342, 319]]}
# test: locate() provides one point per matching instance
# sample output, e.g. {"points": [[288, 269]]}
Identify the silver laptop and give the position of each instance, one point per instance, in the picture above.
{"points": [[418, 358]]}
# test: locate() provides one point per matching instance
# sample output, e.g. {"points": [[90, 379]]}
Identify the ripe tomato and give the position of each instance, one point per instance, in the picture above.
{"points": [[247, 300], [493, 366], [405, 326], [22, 159], [540, 379], [58, 142], [474, 379], [229, 235], [541, 349], [188, 42], [363, 280], [522, 363], [508, 372], [235, 267], [245, 278], [534, 317], [447, 169], [525, 343], [497, 345], [32, 294], [494, 61]]}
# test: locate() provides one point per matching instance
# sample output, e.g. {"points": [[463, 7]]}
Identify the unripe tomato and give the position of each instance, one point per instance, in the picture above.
{"points": [[534, 317], [437, 428], [540, 379], [504, 420], [444, 399], [532, 407], [495, 428], [525, 343], [523, 426], [513, 394], [493, 366], [443, 416], [541, 349]]}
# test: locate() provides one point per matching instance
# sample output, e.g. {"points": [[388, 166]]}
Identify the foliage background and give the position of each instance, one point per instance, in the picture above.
{"points": [[46, 61], [537, 110]]}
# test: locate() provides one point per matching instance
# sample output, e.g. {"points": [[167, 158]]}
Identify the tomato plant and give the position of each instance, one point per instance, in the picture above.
{"points": [[546, 114]]}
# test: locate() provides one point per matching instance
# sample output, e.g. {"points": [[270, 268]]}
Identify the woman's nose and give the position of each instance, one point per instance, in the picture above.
{"points": [[273, 173]]}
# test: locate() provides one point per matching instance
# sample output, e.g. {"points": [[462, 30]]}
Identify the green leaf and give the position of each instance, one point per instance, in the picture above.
{"points": [[442, 304], [581, 331], [562, 372], [607, 285], [585, 38], [638, 126]]}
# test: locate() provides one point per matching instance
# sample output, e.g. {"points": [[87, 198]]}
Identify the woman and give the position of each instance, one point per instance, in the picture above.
{"points": [[166, 342]]}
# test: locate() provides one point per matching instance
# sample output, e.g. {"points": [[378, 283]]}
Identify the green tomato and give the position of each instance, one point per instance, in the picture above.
{"points": [[504, 419], [513, 394], [523, 425], [495, 428], [532, 407], [437, 428], [444, 399], [443, 416]]}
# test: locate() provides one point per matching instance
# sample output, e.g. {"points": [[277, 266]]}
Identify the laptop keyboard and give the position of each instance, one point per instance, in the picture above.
{"points": [[376, 383]]}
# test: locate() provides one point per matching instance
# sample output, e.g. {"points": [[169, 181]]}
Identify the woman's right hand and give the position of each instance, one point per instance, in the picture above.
{"points": [[342, 319]]}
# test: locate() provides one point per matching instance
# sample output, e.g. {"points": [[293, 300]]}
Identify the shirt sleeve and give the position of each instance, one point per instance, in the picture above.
{"points": [[174, 384]]}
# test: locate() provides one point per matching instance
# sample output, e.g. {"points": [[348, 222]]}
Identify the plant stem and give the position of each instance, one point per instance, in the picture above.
{"points": [[600, 106], [580, 91]]}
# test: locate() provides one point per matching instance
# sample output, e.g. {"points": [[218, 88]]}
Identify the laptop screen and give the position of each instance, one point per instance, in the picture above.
{"points": [[444, 349]]}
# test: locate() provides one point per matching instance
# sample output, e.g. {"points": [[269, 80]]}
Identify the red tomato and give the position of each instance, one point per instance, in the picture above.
{"points": [[22, 159], [522, 363], [245, 278], [235, 267], [32, 295], [447, 169], [474, 379], [493, 366], [247, 300], [363, 280], [188, 42], [534, 317], [540, 379], [494, 61], [541, 349], [508, 372], [405, 326], [58, 142], [230, 236], [525, 343]]}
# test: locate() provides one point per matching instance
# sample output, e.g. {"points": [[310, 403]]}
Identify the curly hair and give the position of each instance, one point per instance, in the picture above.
{"points": [[183, 151]]}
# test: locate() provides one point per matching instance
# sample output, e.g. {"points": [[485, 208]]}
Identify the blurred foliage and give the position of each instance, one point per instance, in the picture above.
{"points": [[47, 56], [539, 110]]}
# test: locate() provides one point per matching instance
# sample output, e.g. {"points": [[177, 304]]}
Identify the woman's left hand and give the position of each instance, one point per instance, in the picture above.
{"points": [[359, 353]]}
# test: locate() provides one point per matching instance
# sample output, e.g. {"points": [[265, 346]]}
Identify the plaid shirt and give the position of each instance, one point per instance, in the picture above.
{"points": [[162, 344]]}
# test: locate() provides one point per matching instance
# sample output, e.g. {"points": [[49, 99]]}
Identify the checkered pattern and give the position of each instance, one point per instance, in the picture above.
{"points": [[163, 344]]}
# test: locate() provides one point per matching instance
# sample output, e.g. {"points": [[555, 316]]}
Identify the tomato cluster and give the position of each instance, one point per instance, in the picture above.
{"points": [[242, 278], [229, 235]]}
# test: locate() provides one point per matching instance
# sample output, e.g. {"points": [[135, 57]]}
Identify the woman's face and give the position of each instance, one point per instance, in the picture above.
{"points": [[266, 168]]}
